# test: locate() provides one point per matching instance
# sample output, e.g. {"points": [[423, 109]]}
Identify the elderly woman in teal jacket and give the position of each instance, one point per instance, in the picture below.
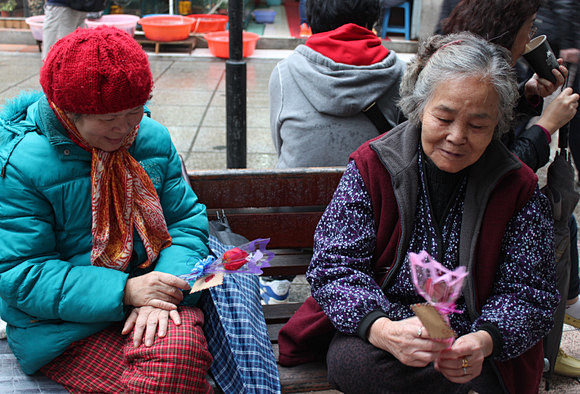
{"points": [[96, 223]]}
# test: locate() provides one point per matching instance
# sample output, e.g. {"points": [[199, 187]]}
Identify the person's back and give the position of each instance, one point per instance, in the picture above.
{"points": [[318, 93]]}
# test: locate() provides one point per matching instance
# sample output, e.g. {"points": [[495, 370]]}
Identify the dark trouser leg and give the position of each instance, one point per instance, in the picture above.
{"points": [[574, 135], [574, 280], [302, 11], [356, 366]]}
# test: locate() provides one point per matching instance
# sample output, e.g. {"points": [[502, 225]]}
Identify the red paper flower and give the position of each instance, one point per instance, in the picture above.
{"points": [[234, 258]]}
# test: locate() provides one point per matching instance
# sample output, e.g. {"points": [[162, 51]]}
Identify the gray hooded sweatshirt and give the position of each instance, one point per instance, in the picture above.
{"points": [[316, 106]]}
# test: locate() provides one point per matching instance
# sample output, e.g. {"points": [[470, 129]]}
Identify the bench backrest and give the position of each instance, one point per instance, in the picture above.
{"points": [[283, 205]]}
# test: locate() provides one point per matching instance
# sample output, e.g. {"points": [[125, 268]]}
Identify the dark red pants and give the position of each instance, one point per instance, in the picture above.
{"points": [[107, 362]]}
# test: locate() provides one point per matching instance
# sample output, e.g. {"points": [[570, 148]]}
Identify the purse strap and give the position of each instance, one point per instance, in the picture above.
{"points": [[376, 116]]}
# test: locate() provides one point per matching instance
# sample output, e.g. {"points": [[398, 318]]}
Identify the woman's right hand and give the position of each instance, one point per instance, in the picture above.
{"points": [[401, 339], [560, 111], [146, 322], [536, 86], [156, 289]]}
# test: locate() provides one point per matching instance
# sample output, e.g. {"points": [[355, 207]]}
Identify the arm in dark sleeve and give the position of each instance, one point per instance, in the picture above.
{"points": [[530, 146]]}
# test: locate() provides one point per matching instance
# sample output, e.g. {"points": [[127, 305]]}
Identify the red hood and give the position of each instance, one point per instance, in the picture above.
{"points": [[349, 44]]}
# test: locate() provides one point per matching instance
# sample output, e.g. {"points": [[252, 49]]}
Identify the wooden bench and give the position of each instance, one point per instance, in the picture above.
{"points": [[285, 206]]}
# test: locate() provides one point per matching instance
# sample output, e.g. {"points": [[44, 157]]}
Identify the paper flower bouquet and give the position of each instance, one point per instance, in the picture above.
{"points": [[440, 287], [248, 258]]}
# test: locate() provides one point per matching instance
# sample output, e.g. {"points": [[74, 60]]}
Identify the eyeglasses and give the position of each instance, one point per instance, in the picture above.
{"points": [[532, 32]]}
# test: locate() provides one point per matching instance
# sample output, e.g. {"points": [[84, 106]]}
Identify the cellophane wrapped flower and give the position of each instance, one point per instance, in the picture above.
{"points": [[438, 285], [248, 258]]}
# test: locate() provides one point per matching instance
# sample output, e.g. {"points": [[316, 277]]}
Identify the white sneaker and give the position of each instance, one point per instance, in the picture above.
{"points": [[274, 291]]}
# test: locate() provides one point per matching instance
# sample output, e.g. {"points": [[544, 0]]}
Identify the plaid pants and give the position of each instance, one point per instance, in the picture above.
{"points": [[107, 362]]}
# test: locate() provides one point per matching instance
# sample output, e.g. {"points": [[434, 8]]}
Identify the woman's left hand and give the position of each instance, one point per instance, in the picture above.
{"points": [[463, 361], [147, 321], [542, 87]]}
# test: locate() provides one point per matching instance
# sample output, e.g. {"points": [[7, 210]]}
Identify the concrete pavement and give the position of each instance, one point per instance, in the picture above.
{"points": [[189, 98]]}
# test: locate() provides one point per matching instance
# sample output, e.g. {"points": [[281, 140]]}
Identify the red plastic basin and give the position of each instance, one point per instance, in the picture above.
{"points": [[166, 27], [206, 23], [219, 43]]}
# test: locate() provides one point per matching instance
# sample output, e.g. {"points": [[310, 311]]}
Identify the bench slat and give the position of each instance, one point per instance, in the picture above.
{"points": [[285, 230], [279, 313], [303, 378], [265, 188], [273, 330], [287, 265]]}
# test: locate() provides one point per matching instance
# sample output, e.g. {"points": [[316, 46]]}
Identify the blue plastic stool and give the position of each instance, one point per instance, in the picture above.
{"points": [[398, 29]]}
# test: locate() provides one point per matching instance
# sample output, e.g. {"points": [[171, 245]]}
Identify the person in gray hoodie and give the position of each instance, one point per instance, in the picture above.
{"points": [[319, 92]]}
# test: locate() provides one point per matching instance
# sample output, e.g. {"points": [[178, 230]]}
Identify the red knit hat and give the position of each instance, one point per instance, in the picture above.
{"points": [[96, 71]]}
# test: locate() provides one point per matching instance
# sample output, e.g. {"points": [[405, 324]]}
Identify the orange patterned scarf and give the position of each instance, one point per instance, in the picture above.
{"points": [[123, 198]]}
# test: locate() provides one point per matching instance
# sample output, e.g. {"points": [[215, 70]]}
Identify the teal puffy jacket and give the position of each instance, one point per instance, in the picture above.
{"points": [[50, 293]]}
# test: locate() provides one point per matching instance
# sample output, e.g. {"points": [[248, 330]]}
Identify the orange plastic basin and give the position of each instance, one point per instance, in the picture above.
{"points": [[206, 23], [219, 43], [166, 27]]}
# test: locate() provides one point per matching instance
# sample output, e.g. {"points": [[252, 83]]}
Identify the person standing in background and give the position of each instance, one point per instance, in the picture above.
{"points": [[62, 17], [305, 30]]}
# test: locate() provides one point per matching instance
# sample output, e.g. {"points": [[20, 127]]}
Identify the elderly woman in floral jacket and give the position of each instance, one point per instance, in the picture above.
{"points": [[443, 183]]}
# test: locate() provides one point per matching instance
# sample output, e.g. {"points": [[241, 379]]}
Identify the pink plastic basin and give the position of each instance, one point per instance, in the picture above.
{"points": [[125, 22], [35, 24]]}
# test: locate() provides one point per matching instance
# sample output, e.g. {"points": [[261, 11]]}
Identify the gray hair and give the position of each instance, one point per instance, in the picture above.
{"points": [[457, 56]]}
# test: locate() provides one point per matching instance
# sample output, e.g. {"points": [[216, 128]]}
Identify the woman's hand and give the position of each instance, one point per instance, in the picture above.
{"points": [[402, 340], [560, 111], [156, 289], [146, 321], [542, 87], [463, 361]]}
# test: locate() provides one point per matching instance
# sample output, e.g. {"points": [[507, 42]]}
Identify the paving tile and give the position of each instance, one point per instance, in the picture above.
{"points": [[182, 97], [205, 160], [183, 137], [261, 160], [171, 115], [215, 116], [259, 100], [210, 139], [259, 140]]}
